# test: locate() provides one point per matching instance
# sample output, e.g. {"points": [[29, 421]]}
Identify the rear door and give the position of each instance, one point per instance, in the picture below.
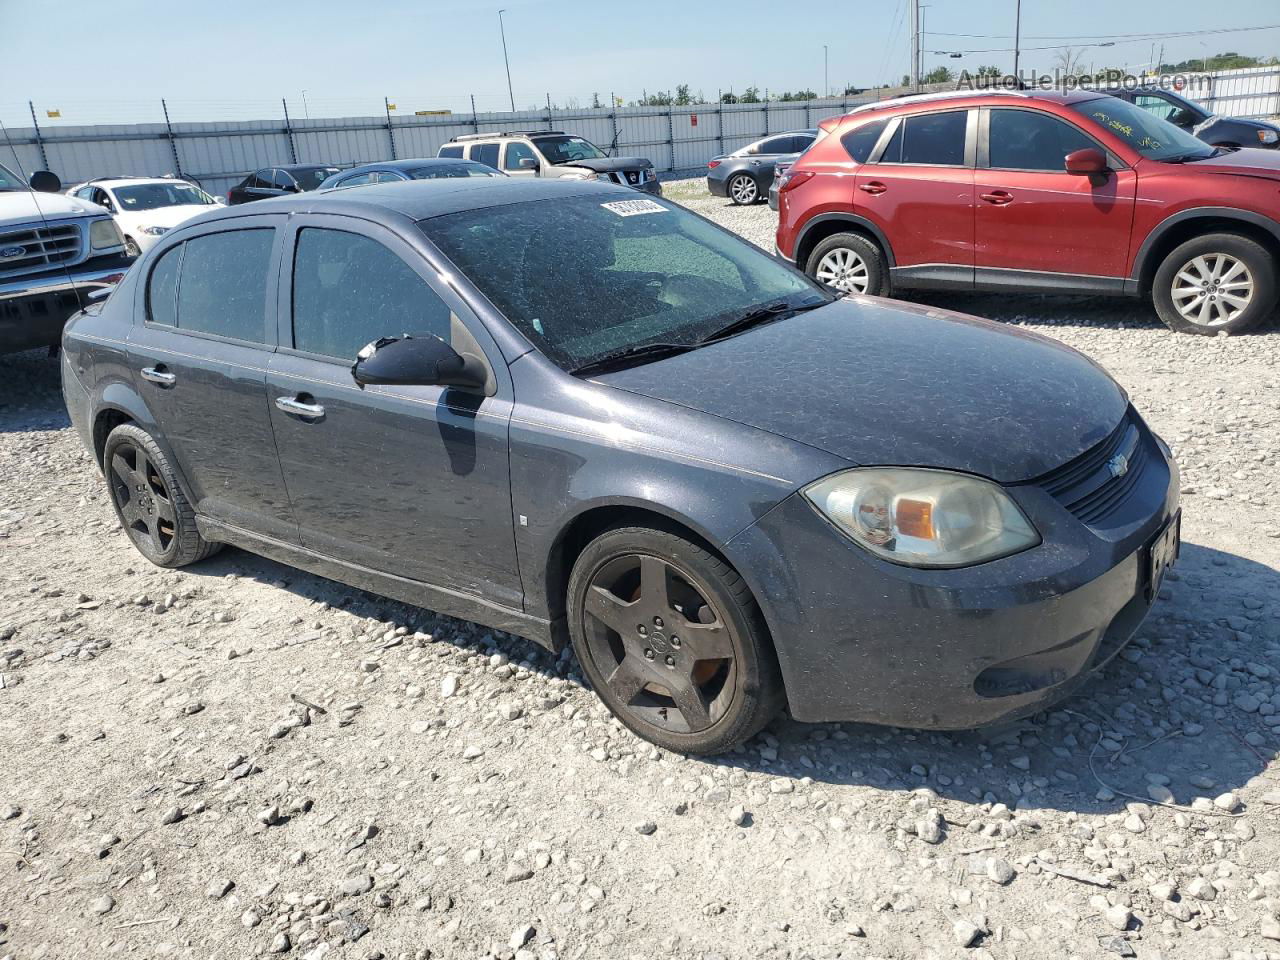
{"points": [[199, 361], [486, 153], [917, 187], [412, 481], [1035, 218]]}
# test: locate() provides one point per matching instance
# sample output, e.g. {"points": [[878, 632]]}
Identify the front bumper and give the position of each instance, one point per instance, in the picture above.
{"points": [[33, 308], [859, 639], [651, 186]]}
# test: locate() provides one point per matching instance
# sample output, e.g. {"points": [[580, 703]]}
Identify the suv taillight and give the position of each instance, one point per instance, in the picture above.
{"points": [[792, 178]]}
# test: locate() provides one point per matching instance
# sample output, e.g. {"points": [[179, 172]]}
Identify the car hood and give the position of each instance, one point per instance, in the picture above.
{"points": [[23, 205], [1250, 161], [881, 383], [612, 164]]}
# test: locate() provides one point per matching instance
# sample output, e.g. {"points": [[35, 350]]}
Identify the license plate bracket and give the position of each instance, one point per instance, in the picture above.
{"points": [[1162, 553]]}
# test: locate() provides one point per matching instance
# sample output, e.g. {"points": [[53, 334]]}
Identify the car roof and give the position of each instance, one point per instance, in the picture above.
{"points": [[961, 96], [424, 199], [411, 164], [128, 181], [299, 166]]}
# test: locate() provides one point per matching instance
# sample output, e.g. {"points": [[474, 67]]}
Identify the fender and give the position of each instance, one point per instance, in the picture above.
{"points": [[854, 218], [1163, 227], [118, 394]]}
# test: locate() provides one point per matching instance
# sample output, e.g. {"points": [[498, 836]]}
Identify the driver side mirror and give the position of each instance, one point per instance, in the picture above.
{"points": [[1088, 162], [528, 163], [45, 181], [417, 362]]}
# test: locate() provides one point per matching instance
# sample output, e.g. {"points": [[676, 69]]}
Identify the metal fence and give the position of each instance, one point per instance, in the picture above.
{"points": [[218, 154]]}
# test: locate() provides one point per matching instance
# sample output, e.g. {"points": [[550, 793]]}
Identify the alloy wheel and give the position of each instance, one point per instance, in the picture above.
{"points": [[845, 270], [743, 189], [1212, 290], [145, 505], [665, 652]]}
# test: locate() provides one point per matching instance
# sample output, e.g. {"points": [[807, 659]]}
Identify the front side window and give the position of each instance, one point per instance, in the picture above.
{"points": [[162, 289], [486, 153], [931, 139], [10, 180], [349, 290], [517, 151], [586, 277], [1154, 138], [1026, 140], [563, 149], [860, 141], [223, 285]]}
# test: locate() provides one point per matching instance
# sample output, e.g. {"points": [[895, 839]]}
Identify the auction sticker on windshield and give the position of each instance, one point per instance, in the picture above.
{"points": [[633, 208]]}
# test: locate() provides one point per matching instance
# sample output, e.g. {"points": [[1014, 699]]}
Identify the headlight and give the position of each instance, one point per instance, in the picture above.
{"points": [[104, 234], [584, 175], [153, 231], [923, 518], [1268, 136], [650, 174]]}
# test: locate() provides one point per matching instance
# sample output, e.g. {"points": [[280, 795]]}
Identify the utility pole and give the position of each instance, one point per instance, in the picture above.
{"points": [[305, 110], [915, 45], [1017, 35], [503, 30], [826, 78]]}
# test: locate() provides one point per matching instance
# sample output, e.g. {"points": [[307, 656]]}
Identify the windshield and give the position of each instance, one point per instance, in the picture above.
{"points": [[586, 277], [463, 169], [310, 178], [150, 196], [10, 180], [1152, 137], [567, 149]]}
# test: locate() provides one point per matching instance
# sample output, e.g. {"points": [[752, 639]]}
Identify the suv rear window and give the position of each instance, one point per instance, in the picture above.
{"points": [[454, 151], [860, 141], [932, 139]]}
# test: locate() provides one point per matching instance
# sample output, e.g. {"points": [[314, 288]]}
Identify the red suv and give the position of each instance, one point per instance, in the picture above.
{"points": [[1038, 192]]}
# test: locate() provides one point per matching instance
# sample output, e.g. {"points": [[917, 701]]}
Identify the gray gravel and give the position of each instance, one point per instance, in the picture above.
{"points": [[240, 759]]}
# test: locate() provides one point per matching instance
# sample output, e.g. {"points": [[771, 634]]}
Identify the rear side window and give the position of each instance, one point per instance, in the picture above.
{"points": [[223, 286], [1023, 140], [162, 289], [931, 139], [860, 141], [454, 151], [486, 153], [358, 179], [349, 290]]}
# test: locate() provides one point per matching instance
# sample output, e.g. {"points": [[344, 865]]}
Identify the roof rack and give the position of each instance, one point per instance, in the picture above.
{"points": [[942, 95], [507, 133]]}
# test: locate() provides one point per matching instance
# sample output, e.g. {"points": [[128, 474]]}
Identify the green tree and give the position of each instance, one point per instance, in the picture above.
{"points": [[682, 95], [939, 75], [728, 98], [595, 101], [750, 95], [988, 70]]}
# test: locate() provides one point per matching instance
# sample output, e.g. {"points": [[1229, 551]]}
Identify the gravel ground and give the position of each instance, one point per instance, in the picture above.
{"points": [[242, 760]]}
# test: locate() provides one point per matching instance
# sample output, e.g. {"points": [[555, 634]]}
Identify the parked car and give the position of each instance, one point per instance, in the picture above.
{"points": [[280, 182], [1038, 192], [588, 417], [746, 175], [396, 171], [1195, 119], [552, 153], [54, 252], [145, 208]]}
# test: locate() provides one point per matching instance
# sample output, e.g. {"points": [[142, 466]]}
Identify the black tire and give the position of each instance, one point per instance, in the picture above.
{"points": [[728, 698], [149, 500], [1195, 264], [131, 247], [743, 190], [865, 270]]}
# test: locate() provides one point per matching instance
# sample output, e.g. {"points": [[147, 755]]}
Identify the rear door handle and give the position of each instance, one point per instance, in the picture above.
{"points": [[873, 188], [159, 375], [300, 408], [998, 197]]}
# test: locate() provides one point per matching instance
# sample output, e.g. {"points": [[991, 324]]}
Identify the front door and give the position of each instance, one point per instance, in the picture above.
{"points": [[199, 363], [1034, 217], [918, 189], [412, 481], [515, 151]]}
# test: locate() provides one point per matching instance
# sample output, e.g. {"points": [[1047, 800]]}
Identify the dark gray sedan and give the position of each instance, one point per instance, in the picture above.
{"points": [[745, 175], [397, 171], [587, 417]]}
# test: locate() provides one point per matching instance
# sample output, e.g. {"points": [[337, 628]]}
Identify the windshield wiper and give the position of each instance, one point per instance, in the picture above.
{"points": [[641, 353], [765, 313], [1188, 157]]}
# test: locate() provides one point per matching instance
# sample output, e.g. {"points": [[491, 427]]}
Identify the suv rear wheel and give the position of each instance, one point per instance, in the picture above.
{"points": [[1220, 282], [850, 263]]}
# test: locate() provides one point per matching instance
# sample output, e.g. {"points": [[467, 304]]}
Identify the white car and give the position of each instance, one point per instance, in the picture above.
{"points": [[146, 208]]}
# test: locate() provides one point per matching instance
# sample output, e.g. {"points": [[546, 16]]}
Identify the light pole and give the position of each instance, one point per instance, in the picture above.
{"points": [[826, 79], [1017, 34], [503, 30], [304, 105]]}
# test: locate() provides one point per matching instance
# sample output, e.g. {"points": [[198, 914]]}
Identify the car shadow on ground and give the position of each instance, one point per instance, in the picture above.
{"points": [[1146, 719], [31, 393]]}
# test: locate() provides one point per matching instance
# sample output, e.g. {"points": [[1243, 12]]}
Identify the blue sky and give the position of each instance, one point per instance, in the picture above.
{"points": [[112, 61]]}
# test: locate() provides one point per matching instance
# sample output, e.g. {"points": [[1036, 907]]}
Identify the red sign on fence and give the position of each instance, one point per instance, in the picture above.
{"points": [[693, 119]]}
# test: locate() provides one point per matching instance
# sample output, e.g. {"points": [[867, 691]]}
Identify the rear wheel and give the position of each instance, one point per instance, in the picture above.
{"points": [[743, 189], [1217, 283], [672, 641], [149, 500], [850, 263]]}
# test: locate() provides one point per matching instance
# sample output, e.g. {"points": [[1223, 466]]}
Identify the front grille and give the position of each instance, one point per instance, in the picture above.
{"points": [[1097, 483], [35, 248]]}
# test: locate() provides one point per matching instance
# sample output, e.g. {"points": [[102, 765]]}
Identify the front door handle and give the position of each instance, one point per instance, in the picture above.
{"points": [[159, 375], [873, 188], [998, 197], [299, 407]]}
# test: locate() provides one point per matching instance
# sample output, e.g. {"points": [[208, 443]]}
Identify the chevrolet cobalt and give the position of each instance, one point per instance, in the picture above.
{"points": [[587, 417]]}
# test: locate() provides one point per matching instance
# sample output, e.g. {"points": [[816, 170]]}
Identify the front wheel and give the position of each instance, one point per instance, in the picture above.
{"points": [[849, 263], [743, 189], [672, 641], [1217, 283]]}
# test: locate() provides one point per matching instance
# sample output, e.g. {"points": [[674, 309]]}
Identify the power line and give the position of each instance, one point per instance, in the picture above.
{"points": [[1107, 36]]}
